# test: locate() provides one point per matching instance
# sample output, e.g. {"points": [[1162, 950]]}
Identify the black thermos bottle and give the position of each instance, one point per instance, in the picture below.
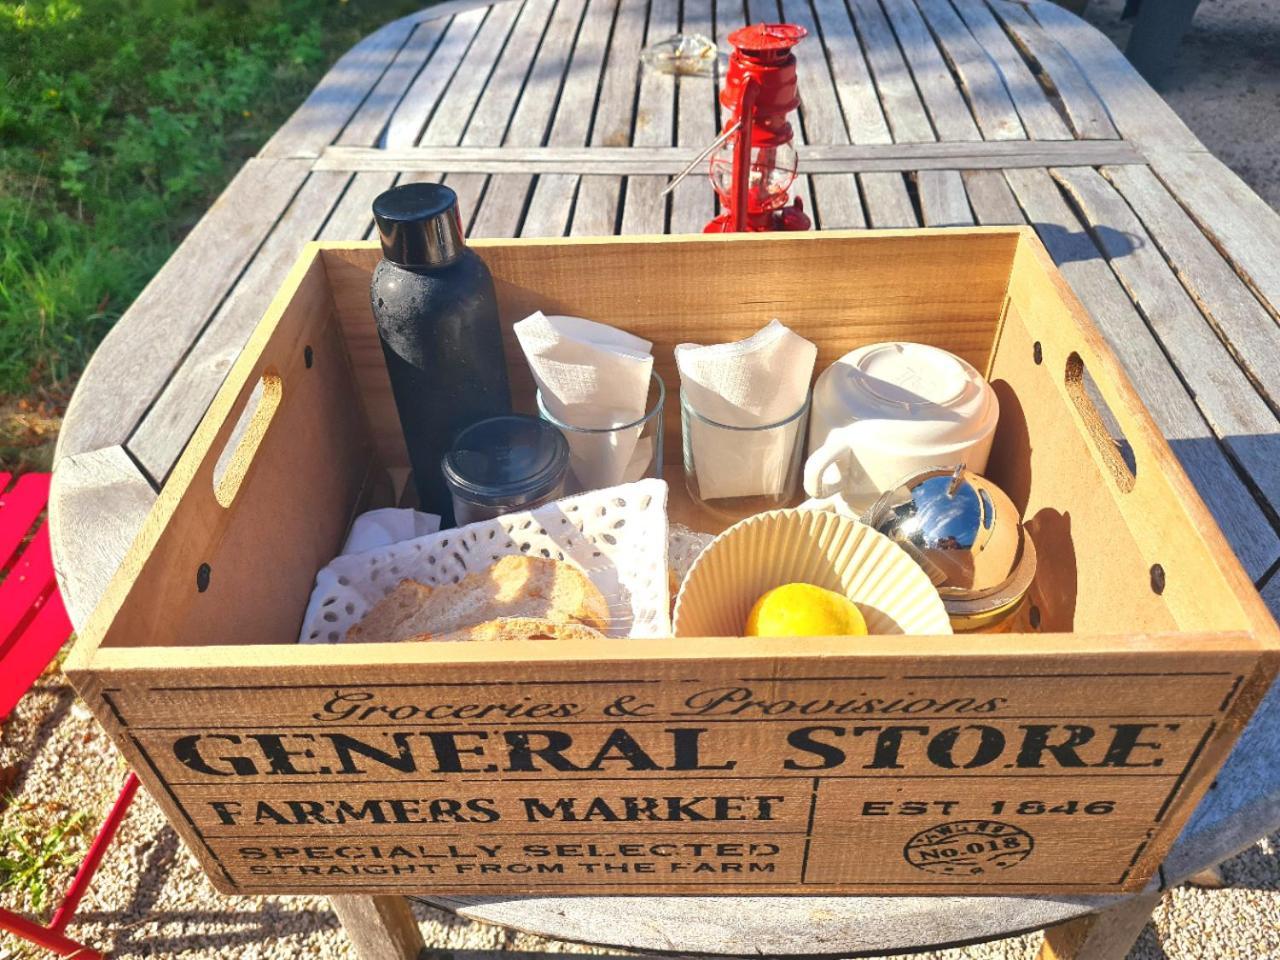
{"points": [[437, 318]]}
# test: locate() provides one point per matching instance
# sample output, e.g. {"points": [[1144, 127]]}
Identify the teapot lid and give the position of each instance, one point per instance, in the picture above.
{"points": [[921, 394]]}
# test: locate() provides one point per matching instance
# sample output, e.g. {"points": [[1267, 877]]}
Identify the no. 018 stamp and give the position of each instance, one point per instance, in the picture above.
{"points": [[968, 847]]}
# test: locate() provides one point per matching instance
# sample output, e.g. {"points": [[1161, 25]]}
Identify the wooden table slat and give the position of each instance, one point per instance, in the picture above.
{"points": [[553, 196], [340, 93], [888, 201], [885, 200], [816, 158], [1242, 322], [1040, 117], [505, 196], [163, 433], [1238, 220], [1174, 412], [1085, 110], [415, 107], [352, 217], [644, 209], [452, 113], [834, 196], [855, 90], [942, 98], [370, 120], [1138, 112], [990, 198], [97, 502], [492, 116], [979, 79], [943, 199], [596, 211], [1239, 416], [903, 109], [134, 362], [693, 203]]}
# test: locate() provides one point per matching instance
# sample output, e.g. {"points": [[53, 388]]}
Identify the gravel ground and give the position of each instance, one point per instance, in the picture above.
{"points": [[150, 900]]}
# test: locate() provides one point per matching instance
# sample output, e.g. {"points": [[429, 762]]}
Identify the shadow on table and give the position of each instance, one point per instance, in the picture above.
{"points": [[1070, 246]]}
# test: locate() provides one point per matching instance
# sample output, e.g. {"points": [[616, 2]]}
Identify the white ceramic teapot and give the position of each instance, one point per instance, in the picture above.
{"points": [[888, 410]]}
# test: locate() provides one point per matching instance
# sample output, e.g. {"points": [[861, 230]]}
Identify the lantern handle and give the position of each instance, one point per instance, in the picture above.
{"points": [[742, 152], [711, 148]]}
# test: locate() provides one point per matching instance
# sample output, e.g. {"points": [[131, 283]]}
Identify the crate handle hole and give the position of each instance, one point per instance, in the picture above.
{"points": [[1101, 424], [233, 462]]}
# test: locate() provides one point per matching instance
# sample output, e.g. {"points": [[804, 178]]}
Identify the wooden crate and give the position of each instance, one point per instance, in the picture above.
{"points": [[1059, 761]]}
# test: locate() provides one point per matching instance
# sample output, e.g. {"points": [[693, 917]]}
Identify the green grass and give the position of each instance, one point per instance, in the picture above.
{"points": [[34, 851], [120, 121]]}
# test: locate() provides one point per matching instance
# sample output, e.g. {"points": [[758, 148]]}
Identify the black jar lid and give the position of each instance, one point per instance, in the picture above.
{"points": [[507, 461], [419, 225]]}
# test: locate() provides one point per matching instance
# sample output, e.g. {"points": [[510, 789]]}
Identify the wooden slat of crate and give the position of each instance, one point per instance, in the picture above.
{"points": [[497, 790], [1231, 503]]}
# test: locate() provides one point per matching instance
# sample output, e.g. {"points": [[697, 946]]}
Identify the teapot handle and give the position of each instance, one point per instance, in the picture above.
{"points": [[833, 453]]}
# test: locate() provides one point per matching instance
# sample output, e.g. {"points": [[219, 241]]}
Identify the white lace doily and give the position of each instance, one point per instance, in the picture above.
{"points": [[618, 536], [683, 547]]}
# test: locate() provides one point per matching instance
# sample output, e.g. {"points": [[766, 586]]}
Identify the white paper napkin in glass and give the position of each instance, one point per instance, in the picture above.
{"points": [[592, 376], [749, 383]]}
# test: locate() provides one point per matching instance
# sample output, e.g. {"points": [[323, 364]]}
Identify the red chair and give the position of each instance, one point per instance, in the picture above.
{"points": [[33, 627]]}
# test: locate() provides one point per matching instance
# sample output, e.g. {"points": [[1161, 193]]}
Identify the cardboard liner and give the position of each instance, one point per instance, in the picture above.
{"points": [[806, 546]]}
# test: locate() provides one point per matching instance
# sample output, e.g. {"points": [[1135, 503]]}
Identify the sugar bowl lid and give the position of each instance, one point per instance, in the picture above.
{"points": [[965, 532]]}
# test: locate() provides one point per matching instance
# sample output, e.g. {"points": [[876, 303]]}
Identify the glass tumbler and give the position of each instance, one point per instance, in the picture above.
{"points": [[602, 457], [734, 472]]}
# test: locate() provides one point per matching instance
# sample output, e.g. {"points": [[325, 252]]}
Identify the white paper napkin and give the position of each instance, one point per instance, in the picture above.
{"points": [[749, 383], [388, 525], [594, 376]]}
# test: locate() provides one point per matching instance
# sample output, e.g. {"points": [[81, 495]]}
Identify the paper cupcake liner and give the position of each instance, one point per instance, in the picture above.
{"points": [[807, 546]]}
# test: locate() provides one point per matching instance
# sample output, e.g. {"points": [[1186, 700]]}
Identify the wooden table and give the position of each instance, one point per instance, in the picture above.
{"points": [[932, 112]]}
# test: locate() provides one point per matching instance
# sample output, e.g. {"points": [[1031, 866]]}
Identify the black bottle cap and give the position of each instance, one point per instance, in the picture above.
{"points": [[418, 225]]}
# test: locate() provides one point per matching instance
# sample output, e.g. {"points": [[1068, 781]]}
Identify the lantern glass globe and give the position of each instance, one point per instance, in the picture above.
{"points": [[773, 170]]}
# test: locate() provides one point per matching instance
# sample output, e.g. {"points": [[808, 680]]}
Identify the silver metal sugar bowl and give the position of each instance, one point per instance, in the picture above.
{"points": [[967, 535]]}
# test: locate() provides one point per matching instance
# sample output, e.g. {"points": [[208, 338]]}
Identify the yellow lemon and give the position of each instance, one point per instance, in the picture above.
{"points": [[803, 610]]}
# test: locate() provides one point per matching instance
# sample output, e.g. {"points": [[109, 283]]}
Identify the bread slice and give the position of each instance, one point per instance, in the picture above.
{"points": [[519, 628], [515, 587]]}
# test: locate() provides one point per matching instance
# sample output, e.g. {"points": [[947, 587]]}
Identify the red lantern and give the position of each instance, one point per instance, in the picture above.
{"points": [[753, 168]]}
